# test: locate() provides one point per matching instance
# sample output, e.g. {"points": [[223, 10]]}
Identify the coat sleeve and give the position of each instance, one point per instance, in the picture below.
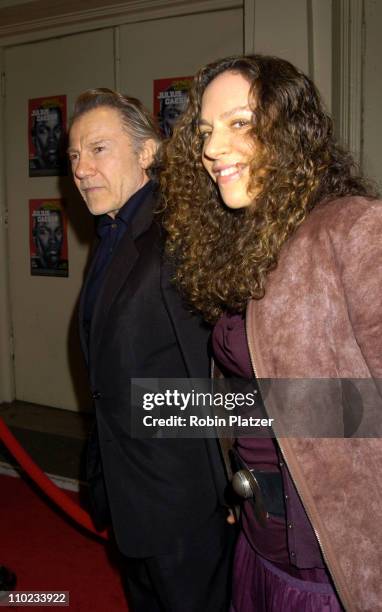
{"points": [[362, 281]]}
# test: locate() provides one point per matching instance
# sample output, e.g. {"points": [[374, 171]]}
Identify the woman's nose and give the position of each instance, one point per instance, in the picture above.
{"points": [[217, 144]]}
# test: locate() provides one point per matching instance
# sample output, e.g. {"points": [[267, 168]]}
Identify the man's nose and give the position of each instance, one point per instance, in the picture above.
{"points": [[84, 167]]}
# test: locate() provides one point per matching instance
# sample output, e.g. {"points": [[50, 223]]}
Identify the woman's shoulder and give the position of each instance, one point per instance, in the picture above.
{"points": [[349, 207], [340, 216]]}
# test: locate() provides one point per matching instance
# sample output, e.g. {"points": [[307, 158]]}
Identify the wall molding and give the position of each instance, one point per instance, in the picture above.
{"points": [[249, 26], [349, 28], [320, 48], [7, 377], [107, 16]]}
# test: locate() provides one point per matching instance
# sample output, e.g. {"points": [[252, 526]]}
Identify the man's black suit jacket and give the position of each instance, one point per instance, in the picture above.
{"points": [[159, 490]]}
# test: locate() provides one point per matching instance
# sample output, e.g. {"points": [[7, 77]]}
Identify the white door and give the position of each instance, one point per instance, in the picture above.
{"points": [[175, 47], [48, 366]]}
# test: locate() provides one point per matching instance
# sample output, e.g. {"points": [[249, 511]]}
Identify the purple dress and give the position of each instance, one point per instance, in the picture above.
{"points": [[264, 579]]}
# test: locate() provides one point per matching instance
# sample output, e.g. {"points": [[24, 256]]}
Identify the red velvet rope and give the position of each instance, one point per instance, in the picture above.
{"points": [[41, 479]]}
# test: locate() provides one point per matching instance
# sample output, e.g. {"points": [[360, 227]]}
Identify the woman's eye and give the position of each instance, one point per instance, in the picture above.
{"points": [[240, 123], [204, 135]]}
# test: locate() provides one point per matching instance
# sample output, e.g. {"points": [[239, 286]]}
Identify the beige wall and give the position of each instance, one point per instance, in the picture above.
{"points": [[6, 351], [281, 28], [171, 50], [47, 361], [299, 31], [47, 366]]}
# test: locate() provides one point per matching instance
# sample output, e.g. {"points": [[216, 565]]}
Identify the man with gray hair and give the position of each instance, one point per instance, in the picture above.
{"points": [[163, 494]]}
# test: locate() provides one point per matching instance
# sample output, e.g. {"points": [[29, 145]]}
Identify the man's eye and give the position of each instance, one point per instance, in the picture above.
{"points": [[72, 157], [98, 149]]}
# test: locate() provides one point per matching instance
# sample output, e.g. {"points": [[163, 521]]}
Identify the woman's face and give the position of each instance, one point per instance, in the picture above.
{"points": [[228, 147]]}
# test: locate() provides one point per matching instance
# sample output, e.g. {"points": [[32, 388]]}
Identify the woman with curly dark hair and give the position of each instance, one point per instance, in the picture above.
{"points": [[277, 241]]}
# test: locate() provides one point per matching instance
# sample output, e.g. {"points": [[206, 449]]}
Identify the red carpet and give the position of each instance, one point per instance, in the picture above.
{"points": [[49, 553]]}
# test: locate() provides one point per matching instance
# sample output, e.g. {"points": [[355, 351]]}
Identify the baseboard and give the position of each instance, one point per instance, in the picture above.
{"points": [[70, 484]]}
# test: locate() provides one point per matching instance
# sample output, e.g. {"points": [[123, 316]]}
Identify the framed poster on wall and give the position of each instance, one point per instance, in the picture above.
{"points": [[46, 136], [170, 101], [48, 238]]}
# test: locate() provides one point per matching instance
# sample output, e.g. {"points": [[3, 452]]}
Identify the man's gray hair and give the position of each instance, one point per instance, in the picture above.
{"points": [[137, 120]]}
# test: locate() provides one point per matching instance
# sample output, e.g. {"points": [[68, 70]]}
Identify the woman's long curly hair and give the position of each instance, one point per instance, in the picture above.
{"points": [[223, 256]]}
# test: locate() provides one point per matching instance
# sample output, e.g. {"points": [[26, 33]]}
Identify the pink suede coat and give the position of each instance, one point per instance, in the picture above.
{"points": [[321, 318]]}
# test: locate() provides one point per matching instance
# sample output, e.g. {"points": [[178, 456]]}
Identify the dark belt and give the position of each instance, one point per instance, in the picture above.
{"points": [[263, 489]]}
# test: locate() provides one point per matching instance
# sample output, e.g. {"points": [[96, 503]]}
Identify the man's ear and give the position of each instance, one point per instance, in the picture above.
{"points": [[147, 153]]}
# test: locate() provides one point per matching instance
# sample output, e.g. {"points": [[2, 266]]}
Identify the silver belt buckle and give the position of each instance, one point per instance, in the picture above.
{"points": [[245, 485]]}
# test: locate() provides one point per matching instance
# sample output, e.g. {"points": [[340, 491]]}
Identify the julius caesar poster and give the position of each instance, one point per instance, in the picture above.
{"points": [[46, 136], [48, 238], [170, 101]]}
